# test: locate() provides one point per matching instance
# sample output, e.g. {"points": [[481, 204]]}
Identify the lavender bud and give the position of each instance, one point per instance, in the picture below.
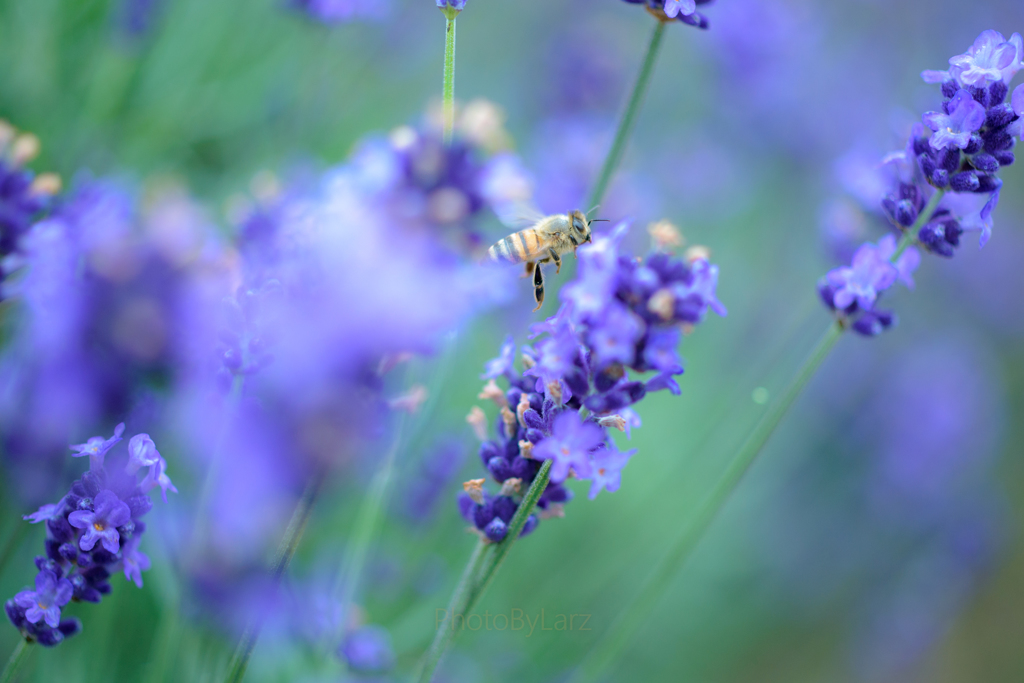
{"points": [[999, 115], [985, 163], [966, 181]]}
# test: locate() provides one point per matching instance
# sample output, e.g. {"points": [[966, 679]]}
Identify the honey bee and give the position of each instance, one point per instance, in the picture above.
{"points": [[543, 242]]}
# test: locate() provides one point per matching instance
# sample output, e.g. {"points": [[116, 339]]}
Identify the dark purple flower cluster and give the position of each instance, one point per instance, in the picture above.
{"points": [[956, 151], [23, 195], [92, 532], [683, 10], [619, 314]]}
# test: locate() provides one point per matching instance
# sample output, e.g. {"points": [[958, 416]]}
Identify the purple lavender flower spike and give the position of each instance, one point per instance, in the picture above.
{"points": [[134, 561], [954, 130], [101, 523], [676, 7], [870, 274], [142, 452], [607, 472], [569, 446], [985, 61], [97, 447], [44, 603], [45, 513]]}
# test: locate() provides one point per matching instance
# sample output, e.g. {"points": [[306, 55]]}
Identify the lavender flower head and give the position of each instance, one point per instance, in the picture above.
{"points": [[682, 10], [618, 315], [91, 532], [957, 151]]}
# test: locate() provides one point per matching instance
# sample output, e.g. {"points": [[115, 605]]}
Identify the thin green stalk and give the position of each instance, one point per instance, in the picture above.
{"points": [[611, 644], [366, 525], [476, 580], [456, 605], [449, 73], [20, 650], [292, 536], [515, 527], [910, 234], [628, 119]]}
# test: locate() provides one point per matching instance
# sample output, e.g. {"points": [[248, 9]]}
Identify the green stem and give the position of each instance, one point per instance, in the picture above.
{"points": [[628, 119], [456, 605], [449, 73], [292, 536], [910, 234], [617, 637], [20, 650], [476, 580], [366, 526]]}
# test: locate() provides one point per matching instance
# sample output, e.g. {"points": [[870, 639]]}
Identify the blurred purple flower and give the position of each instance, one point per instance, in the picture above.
{"points": [[870, 275], [608, 462], [368, 649], [134, 560], [339, 11]]}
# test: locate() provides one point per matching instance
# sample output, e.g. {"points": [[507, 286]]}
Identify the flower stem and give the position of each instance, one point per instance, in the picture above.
{"points": [[475, 579], [611, 644], [456, 605], [448, 93], [292, 536], [910, 234], [20, 650], [628, 119]]}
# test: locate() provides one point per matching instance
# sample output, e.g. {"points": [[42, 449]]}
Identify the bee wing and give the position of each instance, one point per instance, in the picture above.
{"points": [[519, 215]]}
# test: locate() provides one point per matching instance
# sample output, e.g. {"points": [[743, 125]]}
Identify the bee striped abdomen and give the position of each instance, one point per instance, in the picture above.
{"points": [[516, 248]]}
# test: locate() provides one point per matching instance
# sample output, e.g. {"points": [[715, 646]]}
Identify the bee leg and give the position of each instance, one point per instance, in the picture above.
{"points": [[529, 268], [538, 287], [557, 259]]}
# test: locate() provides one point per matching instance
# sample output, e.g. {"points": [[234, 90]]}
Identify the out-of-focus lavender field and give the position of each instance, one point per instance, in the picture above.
{"points": [[263, 148]]}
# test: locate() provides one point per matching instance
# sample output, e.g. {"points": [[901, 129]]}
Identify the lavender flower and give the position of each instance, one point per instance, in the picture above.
{"points": [[93, 531], [619, 314], [954, 129], [683, 10], [96, 448], [454, 4], [44, 603], [968, 142]]}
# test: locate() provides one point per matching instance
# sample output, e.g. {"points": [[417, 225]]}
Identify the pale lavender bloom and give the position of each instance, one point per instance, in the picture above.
{"points": [[44, 603], [862, 282], [45, 513], [504, 363], [906, 264], [97, 447], [954, 130], [339, 11], [157, 476], [675, 7], [134, 561], [569, 446], [100, 524], [614, 341], [142, 452], [1018, 100], [607, 468], [991, 58]]}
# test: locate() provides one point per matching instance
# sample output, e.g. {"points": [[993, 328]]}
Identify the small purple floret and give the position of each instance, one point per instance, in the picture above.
{"points": [[44, 603], [954, 130], [101, 523]]}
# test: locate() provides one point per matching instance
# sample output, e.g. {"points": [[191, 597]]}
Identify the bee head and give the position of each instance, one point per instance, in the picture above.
{"points": [[580, 226]]}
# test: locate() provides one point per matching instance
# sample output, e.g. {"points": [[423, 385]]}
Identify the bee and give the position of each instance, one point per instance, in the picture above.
{"points": [[543, 242]]}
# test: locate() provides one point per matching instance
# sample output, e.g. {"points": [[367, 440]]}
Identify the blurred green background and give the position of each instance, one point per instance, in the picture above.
{"points": [[810, 573]]}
